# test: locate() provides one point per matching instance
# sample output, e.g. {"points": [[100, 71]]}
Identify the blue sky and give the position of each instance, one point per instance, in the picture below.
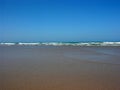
{"points": [[59, 20]]}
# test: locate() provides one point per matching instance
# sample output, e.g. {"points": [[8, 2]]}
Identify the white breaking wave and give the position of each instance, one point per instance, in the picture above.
{"points": [[28, 43], [8, 44], [66, 44]]}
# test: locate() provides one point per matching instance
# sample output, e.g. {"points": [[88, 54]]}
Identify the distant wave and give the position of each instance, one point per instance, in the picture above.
{"points": [[67, 43]]}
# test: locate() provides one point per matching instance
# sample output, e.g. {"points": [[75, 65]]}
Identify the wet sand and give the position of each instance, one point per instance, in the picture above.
{"points": [[59, 68]]}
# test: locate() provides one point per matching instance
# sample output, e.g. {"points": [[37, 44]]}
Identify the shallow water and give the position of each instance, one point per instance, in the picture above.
{"points": [[102, 55]]}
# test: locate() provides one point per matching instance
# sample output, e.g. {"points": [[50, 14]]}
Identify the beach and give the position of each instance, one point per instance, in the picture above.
{"points": [[59, 67]]}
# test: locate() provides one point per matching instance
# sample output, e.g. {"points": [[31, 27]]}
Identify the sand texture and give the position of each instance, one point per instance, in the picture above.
{"points": [[59, 68]]}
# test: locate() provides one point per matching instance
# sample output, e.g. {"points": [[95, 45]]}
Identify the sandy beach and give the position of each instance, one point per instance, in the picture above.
{"points": [[59, 68]]}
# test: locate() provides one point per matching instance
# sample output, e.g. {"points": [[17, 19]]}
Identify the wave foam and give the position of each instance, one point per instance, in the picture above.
{"points": [[67, 44]]}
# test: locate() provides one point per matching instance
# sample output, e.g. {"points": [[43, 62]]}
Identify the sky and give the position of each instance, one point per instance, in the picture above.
{"points": [[59, 20]]}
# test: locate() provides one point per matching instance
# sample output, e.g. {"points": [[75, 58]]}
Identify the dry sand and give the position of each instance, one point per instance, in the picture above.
{"points": [[59, 68]]}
